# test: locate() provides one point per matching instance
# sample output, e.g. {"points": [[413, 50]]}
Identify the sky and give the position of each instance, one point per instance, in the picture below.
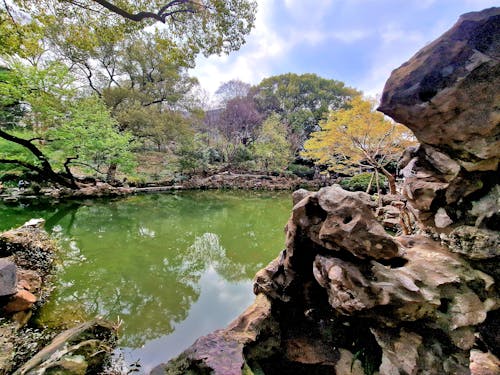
{"points": [[358, 42]]}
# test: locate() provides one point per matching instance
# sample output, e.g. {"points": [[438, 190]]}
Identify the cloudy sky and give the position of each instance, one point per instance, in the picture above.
{"points": [[358, 42]]}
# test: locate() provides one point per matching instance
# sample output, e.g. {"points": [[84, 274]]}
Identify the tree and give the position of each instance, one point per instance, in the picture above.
{"points": [[239, 121], [360, 137], [301, 100], [272, 148], [54, 130], [90, 140], [137, 67], [151, 95], [231, 90], [194, 26]]}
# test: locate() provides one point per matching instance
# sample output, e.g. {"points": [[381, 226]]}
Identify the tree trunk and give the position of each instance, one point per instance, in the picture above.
{"points": [[377, 180], [45, 169], [111, 173], [391, 179], [370, 184]]}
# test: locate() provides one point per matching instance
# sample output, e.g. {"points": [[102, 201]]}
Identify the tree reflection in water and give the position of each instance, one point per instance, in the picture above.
{"points": [[146, 258]]}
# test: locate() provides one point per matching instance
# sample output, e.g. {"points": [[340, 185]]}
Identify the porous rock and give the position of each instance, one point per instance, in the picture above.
{"points": [[484, 363], [448, 92], [337, 219]]}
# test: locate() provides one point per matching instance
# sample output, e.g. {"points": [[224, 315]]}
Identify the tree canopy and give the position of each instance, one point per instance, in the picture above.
{"points": [[301, 100], [56, 130], [193, 26], [358, 137]]}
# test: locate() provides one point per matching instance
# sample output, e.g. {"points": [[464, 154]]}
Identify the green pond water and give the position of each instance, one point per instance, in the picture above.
{"points": [[172, 267]]}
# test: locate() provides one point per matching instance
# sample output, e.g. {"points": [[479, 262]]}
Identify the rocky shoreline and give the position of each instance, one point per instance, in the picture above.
{"points": [[221, 181], [27, 256]]}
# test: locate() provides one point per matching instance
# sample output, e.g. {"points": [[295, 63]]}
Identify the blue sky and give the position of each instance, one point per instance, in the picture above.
{"points": [[358, 42]]}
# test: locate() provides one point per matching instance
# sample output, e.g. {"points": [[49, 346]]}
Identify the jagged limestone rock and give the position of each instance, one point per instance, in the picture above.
{"points": [[447, 93], [337, 219]]}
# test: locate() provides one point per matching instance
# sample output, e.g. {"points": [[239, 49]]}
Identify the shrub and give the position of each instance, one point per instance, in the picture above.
{"points": [[360, 182], [301, 170]]}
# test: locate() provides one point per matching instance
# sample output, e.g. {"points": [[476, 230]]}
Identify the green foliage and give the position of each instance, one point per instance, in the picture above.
{"points": [[360, 182], [42, 90], [19, 38], [91, 136], [272, 149], [300, 170], [59, 125], [84, 28], [138, 69], [241, 155], [192, 156], [301, 100]]}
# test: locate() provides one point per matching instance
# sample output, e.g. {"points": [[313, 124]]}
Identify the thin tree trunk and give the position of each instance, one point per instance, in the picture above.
{"points": [[377, 180], [370, 184]]}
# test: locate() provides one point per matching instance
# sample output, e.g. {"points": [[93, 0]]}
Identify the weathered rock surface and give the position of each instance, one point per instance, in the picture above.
{"points": [[448, 92], [8, 277], [448, 95], [343, 290], [21, 301], [340, 220], [221, 352], [78, 350]]}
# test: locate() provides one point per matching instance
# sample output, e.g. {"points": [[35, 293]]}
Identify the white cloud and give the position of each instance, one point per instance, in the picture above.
{"points": [[253, 61]]}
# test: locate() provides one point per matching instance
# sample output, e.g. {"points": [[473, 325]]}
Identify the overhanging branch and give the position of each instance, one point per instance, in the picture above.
{"points": [[169, 9]]}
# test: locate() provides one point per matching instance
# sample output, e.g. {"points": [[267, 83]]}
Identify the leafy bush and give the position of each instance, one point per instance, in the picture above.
{"points": [[361, 181], [301, 170], [241, 155]]}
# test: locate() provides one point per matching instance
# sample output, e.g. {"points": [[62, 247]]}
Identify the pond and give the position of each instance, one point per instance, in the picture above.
{"points": [[172, 267]]}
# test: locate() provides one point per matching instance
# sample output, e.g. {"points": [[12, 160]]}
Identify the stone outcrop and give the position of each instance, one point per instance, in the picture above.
{"points": [[447, 94], [344, 296], [28, 253]]}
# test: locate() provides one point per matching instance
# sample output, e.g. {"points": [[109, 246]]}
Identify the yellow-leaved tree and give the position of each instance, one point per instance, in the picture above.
{"points": [[358, 137]]}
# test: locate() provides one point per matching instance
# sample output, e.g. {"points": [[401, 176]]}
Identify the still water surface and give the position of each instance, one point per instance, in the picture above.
{"points": [[171, 266]]}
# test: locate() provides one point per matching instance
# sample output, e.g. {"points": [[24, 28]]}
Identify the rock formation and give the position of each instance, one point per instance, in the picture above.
{"points": [[344, 297]]}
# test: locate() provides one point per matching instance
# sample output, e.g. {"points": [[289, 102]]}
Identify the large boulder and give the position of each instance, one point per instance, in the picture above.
{"points": [[448, 92]]}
